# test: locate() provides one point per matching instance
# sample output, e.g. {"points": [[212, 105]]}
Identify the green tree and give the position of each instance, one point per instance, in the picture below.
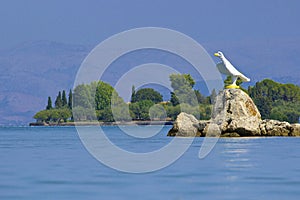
{"points": [[82, 96], [181, 80], [286, 111], [157, 112], [144, 108], [174, 100], [148, 94], [84, 114], [193, 110], [275, 100], [58, 101], [263, 95], [49, 104], [121, 112], [277, 113], [99, 96], [42, 116], [61, 114], [189, 79], [132, 100], [78, 113], [205, 111], [64, 99], [182, 85], [119, 108], [103, 95], [70, 99], [134, 111], [173, 111], [201, 99], [140, 110], [105, 115], [53, 115]]}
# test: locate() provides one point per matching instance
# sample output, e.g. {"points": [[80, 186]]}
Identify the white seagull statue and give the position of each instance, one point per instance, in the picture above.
{"points": [[225, 67]]}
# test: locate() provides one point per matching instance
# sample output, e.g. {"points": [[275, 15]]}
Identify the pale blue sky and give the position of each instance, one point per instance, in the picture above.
{"points": [[261, 37], [91, 21]]}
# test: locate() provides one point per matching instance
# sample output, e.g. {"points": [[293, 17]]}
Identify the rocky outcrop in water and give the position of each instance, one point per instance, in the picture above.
{"points": [[275, 128], [295, 130], [185, 125], [234, 115], [235, 112]]}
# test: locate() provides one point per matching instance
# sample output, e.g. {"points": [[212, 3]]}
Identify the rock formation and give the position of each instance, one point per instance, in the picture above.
{"points": [[234, 115], [235, 112], [185, 125]]}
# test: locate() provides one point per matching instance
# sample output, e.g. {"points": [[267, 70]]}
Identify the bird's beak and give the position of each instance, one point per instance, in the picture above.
{"points": [[216, 54]]}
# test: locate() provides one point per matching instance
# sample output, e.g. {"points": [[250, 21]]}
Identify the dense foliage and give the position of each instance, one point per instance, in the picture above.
{"points": [[60, 112], [185, 98], [183, 90], [99, 101], [143, 102], [276, 101], [53, 115], [146, 94]]}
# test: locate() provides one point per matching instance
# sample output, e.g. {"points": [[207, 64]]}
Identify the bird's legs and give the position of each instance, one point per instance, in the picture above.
{"points": [[234, 80], [233, 85]]}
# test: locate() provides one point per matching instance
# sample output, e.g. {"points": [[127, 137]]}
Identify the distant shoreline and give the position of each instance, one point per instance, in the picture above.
{"points": [[95, 123]]}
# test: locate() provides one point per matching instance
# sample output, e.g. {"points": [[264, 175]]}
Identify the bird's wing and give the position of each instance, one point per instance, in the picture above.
{"points": [[234, 72], [222, 69], [243, 77]]}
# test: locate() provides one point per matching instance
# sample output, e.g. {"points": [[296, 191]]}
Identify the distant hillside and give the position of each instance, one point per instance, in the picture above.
{"points": [[33, 71]]}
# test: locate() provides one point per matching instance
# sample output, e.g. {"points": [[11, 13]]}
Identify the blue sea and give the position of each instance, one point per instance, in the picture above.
{"points": [[52, 163]]}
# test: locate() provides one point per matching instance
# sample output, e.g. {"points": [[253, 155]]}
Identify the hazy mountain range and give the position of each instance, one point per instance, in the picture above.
{"points": [[31, 72]]}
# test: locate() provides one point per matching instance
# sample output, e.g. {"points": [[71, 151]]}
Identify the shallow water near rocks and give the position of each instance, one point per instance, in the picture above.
{"points": [[52, 163]]}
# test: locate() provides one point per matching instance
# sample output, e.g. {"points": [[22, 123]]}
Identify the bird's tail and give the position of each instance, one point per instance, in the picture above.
{"points": [[244, 78]]}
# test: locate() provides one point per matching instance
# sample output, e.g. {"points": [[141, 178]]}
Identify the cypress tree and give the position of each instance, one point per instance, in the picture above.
{"points": [[58, 101], [64, 99], [49, 104], [132, 94], [70, 100], [174, 100]]}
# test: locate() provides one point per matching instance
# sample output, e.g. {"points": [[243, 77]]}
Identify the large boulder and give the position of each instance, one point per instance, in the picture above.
{"points": [[236, 114], [185, 125]]}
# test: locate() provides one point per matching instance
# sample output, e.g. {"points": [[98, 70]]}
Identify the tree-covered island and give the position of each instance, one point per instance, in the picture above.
{"points": [[98, 101]]}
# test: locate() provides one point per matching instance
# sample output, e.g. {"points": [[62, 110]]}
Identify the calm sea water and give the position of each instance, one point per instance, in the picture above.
{"points": [[52, 163]]}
